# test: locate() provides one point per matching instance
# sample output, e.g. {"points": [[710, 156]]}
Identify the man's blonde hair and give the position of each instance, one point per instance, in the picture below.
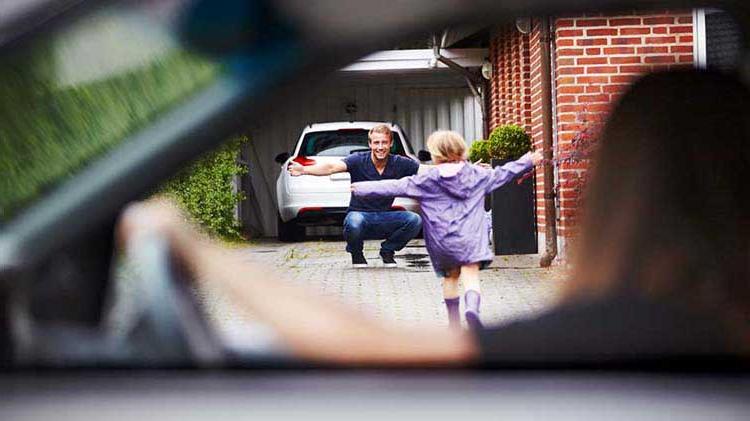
{"points": [[446, 146], [382, 129]]}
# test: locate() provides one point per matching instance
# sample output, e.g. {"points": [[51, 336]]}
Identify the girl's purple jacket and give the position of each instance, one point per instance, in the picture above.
{"points": [[451, 197]]}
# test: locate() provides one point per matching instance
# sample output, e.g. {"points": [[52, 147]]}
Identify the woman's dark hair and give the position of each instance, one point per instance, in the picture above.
{"points": [[667, 211]]}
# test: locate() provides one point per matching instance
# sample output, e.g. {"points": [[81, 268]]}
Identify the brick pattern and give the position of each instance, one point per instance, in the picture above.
{"points": [[597, 57], [515, 89], [509, 89]]}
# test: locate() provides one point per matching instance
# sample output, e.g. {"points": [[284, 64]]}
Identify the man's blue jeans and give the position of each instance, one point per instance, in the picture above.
{"points": [[396, 227]]}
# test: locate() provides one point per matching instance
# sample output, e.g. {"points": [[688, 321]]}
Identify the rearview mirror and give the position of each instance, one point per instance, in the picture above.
{"points": [[423, 156], [281, 158]]}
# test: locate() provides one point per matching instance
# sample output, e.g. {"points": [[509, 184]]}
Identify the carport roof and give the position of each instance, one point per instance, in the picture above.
{"points": [[395, 60]]}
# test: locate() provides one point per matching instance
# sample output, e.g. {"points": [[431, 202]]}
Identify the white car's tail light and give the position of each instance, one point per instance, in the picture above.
{"points": [[303, 160]]}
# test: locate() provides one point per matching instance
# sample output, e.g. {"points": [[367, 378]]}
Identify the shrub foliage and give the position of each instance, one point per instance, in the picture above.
{"points": [[480, 151], [205, 190], [506, 142], [509, 142]]}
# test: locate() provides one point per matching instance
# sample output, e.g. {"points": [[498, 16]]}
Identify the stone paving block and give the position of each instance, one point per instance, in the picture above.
{"points": [[512, 287]]}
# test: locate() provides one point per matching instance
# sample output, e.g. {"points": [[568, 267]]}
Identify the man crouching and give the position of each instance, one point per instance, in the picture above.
{"points": [[372, 219]]}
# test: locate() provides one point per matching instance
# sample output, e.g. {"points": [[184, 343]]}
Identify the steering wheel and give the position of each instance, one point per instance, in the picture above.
{"points": [[170, 327]]}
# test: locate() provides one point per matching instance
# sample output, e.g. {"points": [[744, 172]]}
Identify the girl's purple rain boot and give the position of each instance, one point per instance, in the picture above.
{"points": [[454, 319], [472, 300]]}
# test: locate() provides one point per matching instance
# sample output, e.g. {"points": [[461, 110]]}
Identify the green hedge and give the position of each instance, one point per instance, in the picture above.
{"points": [[50, 132], [205, 190], [51, 129]]}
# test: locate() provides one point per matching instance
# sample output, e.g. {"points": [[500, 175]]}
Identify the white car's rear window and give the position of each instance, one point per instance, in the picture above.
{"points": [[342, 143]]}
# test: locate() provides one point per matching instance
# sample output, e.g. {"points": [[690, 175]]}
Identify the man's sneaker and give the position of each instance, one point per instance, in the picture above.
{"points": [[388, 260], [358, 260]]}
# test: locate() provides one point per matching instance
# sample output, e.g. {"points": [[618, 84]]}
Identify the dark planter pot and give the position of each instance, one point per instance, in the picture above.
{"points": [[514, 217]]}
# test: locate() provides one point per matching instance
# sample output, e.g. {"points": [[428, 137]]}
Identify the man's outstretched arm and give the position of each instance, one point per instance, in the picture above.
{"points": [[322, 168]]}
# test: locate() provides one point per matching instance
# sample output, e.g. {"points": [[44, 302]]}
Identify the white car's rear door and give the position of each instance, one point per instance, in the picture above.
{"points": [[334, 183]]}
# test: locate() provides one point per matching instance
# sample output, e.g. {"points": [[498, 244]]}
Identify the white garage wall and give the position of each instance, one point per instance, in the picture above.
{"points": [[419, 103]]}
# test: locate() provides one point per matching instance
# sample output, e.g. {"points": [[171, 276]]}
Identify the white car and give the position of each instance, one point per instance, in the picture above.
{"points": [[323, 200]]}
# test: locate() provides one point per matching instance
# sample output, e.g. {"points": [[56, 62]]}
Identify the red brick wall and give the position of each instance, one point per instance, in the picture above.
{"points": [[509, 88], [597, 57], [515, 88]]}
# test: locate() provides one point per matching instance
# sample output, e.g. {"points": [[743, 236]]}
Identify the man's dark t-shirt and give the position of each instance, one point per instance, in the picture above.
{"points": [[360, 168]]}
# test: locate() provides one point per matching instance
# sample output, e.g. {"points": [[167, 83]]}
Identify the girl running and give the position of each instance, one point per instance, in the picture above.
{"points": [[451, 196]]}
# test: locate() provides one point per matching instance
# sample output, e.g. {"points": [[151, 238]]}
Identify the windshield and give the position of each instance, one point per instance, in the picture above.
{"points": [[342, 143], [77, 93], [449, 263]]}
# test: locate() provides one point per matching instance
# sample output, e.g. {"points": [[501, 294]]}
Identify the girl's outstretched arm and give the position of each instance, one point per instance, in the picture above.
{"points": [[313, 327], [502, 175], [403, 187]]}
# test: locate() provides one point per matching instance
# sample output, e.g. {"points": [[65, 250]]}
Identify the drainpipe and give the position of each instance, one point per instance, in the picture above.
{"points": [[550, 213]]}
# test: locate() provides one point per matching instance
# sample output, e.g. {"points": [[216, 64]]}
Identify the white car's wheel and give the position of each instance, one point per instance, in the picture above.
{"points": [[289, 231]]}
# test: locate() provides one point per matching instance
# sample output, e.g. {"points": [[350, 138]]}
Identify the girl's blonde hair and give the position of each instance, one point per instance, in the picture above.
{"points": [[446, 146]]}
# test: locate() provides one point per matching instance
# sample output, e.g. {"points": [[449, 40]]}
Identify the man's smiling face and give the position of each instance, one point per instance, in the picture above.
{"points": [[380, 145]]}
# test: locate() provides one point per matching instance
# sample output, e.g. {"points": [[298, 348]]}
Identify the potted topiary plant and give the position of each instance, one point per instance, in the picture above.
{"points": [[513, 205], [480, 151]]}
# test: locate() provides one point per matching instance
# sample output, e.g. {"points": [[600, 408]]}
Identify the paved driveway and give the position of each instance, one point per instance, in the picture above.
{"points": [[513, 286]]}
